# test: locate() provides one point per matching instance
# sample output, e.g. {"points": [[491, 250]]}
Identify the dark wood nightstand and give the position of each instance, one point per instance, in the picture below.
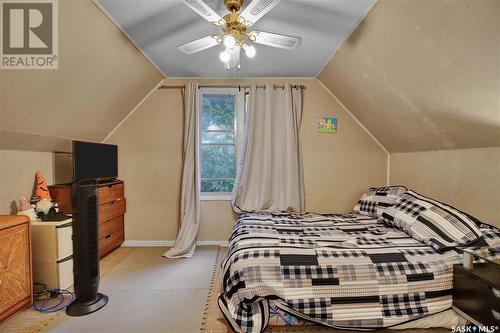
{"points": [[476, 287]]}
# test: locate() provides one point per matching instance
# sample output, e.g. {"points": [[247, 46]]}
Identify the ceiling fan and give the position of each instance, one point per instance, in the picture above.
{"points": [[235, 33]]}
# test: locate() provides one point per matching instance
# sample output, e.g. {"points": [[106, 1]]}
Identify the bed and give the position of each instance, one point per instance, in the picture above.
{"points": [[345, 271]]}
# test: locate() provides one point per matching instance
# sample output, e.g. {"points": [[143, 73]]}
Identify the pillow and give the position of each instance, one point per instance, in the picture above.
{"points": [[377, 199], [436, 224]]}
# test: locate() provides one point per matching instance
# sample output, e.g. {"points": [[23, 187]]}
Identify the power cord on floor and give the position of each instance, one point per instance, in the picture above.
{"points": [[42, 296]]}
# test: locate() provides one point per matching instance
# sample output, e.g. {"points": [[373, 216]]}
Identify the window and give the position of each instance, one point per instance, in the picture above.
{"points": [[219, 142]]}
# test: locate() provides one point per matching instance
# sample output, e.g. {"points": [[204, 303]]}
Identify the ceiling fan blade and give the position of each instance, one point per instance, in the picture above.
{"points": [[277, 40], [258, 8], [198, 45], [203, 10]]}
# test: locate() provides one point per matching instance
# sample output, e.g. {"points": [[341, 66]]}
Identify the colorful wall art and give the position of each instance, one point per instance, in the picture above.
{"points": [[327, 125]]}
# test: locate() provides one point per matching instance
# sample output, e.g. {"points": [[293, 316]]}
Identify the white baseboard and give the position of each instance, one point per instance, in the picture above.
{"points": [[147, 243], [219, 243], [160, 243]]}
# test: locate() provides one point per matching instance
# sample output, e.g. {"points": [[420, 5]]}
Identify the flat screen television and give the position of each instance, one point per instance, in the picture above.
{"points": [[94, 160]]}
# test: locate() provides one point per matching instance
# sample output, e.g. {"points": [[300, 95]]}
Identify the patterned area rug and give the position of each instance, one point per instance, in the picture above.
{"points": [[30, 320], [213, 319]]}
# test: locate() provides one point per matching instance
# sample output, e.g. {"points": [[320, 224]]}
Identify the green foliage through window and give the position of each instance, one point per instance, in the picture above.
{"points": [[218, 112], [218, 155], [222, 186]]}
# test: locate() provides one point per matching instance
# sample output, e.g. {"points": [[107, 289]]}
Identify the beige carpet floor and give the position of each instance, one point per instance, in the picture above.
{"points": [[30, 320], [148, 293]]}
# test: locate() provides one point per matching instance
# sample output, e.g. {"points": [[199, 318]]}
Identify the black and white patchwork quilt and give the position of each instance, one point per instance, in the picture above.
{"points": [[340, 270]]}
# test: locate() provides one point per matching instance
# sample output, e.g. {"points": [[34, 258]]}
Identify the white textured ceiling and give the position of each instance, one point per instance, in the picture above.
{"points": [[157, 27]]}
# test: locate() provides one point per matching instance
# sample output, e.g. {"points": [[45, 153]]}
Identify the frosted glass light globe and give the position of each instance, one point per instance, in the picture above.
{"points": [[224, 56], [250, 50], [229, 42]]}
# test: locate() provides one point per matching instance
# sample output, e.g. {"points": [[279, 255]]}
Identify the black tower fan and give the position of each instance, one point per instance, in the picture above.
{"points": [[85, 249]]}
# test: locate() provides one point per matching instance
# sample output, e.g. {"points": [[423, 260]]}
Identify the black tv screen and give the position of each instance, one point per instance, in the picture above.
{"points": [[94, 160]]}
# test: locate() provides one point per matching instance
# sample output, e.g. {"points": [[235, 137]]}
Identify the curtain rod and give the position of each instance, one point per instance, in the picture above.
{"points": [[232, 86], [171, 87]]}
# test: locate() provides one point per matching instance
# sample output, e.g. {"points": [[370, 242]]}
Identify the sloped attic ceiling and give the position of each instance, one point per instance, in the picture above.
{"points": [[423, 75], [158, 27], [101, 78]]}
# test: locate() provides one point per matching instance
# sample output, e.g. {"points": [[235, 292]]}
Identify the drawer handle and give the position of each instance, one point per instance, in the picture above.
{"points": [[107, 236], [495, 314], [495, 292]]}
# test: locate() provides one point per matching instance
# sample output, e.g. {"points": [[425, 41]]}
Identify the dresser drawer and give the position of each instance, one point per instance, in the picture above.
{"points": [[51, 240], [110, 242], [110, 193], [111, 209], [108, 227], [64, 241], [55, 274]]}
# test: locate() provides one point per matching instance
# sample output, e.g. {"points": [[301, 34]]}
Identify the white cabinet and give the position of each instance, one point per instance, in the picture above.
{"points": [[52, 250]]}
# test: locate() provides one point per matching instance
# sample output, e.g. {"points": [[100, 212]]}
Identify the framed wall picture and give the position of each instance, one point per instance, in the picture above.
{"points": [[327, 125]]}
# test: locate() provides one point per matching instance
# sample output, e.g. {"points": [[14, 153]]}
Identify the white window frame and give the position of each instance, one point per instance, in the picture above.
{"points": [[239, 114]]}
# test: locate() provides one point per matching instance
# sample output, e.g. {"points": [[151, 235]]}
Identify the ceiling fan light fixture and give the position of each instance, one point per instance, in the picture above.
{"points": [[225, 56], [229, 41], [234, 32], [250, 50]]}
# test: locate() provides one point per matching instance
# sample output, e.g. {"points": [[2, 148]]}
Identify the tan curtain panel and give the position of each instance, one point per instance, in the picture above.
{"points": [[190, 193], [270, 176]]}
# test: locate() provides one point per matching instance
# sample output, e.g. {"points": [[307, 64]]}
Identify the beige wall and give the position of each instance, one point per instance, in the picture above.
{"points": [[101, 77], [338, 167], [17, 175], [12, 140], [150, 162], [423, 75], [468, 179]]}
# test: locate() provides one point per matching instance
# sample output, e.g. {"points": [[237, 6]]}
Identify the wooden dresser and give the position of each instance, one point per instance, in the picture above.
{"points": [[16, 285], [112, 207]]}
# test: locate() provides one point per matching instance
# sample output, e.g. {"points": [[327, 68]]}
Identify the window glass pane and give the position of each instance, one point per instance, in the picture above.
{"points": [[217, 137], [217, 161], [217, 112], [217, 185]]}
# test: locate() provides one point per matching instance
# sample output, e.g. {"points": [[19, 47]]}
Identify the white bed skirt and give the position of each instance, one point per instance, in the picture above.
{"points": [[445, 319]]}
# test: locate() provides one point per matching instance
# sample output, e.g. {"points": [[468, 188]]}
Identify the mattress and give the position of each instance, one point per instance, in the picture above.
{"points": [[340, 270]]}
